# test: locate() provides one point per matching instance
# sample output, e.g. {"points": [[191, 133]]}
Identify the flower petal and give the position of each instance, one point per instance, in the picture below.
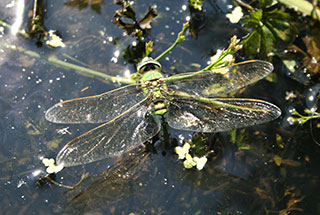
{"points": [[47, 161], [201, 162]]}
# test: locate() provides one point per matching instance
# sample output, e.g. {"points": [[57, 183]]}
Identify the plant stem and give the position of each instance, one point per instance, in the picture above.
{"points": [[60, 63], [52, 59], [179, 39], [4, 24]]}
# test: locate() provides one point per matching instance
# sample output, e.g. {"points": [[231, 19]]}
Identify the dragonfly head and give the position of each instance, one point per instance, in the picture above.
{"points": [[148, 64]]}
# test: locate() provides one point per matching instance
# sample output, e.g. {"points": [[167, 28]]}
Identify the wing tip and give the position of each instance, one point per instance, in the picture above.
{"points": [[276, 112], [49, 115], [267, 65]]}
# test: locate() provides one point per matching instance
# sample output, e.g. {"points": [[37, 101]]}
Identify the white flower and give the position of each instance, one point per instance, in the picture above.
{"points": [[235, 15], [200, 162], [225, 61], [291, 120], [228, 58], [215, 57], [182, 151], [51, 167], [47, 161], [290, 95], [189, 162]]}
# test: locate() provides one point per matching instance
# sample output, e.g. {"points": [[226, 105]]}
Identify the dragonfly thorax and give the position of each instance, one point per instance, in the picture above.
{"points": [[153, 85], [156, 90]]}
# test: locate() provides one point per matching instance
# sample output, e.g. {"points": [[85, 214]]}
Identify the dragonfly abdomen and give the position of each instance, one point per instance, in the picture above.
{"points": [[160, 107]]}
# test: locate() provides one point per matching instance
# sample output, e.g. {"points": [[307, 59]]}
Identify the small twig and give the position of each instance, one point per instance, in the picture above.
{"points": [[245, 5], [83, 176]]}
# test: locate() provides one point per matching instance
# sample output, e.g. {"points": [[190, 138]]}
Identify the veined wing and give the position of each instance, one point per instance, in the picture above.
{"points": [[95, 109], [218, 114], [220, 81], [113, 138]]}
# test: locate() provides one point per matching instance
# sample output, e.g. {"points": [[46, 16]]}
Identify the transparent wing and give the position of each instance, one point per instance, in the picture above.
{"points": [[219, 114], [218, 82], [113, 138], [95, 109]]}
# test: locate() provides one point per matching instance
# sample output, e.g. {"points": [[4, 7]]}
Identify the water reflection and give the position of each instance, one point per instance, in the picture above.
{"points": [[122, 180], [16, 26]]}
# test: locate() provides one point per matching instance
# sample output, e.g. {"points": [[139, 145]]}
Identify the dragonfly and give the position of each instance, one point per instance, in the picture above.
{"points": [[131, 114]]}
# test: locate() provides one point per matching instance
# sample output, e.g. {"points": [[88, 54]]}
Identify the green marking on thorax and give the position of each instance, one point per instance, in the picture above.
{"points": [[161, 112], [151, 75], [159, 106], [150, 72]]}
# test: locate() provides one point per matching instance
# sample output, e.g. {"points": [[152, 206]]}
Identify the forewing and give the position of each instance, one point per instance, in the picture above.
{"points": [[111, 139], [219, 114], [218, 82], [95, 109]]}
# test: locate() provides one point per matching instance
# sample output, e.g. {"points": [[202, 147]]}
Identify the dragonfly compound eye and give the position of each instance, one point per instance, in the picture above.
{"points": [[148, 64]]}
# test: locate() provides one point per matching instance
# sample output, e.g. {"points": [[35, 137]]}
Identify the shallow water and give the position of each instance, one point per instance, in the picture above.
{"points": [[235, 182]]}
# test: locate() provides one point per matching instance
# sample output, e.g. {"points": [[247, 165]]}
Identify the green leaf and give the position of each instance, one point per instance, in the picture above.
{"points": [[277, 14], [251, 43], [278, 24], [253, 20], [270, 30], [267, 3], [304, 6], [267, 42]]}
